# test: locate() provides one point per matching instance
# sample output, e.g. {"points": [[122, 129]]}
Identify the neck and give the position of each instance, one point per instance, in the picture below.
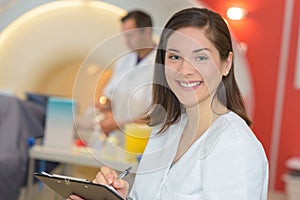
{"points": [[201, 116], [142, 53]]}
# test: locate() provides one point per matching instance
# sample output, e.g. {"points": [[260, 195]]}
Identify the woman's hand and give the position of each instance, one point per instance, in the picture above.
{"points": [[108, 176]]}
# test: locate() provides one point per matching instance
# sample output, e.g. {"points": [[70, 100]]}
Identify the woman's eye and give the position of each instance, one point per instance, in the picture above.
{"points": [[201, 58], [174, 57]]}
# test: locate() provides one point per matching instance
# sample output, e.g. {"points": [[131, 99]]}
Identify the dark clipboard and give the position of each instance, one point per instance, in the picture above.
{"points": [[65, 186]]}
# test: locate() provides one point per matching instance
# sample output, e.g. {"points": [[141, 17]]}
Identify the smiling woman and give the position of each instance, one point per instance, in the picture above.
{"points": [[205, 124]]}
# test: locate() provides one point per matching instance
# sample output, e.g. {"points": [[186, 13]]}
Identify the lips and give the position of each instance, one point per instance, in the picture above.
{"points": [[190, 84]]}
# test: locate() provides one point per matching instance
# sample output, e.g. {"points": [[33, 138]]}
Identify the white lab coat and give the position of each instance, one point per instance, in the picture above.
{"points": [[226, 163], [130, 86]]}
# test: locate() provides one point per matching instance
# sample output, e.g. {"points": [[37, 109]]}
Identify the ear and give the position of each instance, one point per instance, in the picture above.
{"points": [[227, 64]]}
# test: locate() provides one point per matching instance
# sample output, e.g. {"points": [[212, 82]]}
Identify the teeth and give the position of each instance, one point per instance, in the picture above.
{"points": [[189, 85]]}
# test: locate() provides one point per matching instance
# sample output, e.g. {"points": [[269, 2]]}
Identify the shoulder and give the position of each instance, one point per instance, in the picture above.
{"points": [[236, 130], [126, 59], [233, 138], [236, 165]]}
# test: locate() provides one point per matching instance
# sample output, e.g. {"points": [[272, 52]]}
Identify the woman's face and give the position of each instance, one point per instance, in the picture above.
{"points": [[193, 66]]}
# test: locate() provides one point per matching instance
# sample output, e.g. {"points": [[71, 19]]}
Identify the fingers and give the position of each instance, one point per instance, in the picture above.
{"points": [[105, 176], [120, 184], [74, 197], [108, 176]]}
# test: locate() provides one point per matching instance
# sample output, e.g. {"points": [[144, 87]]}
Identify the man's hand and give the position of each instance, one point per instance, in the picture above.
{"points": [[104, 104], [108, 124]]}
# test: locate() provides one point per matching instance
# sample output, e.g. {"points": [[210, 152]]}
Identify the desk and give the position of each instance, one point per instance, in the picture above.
{"points": [[77, 156]]}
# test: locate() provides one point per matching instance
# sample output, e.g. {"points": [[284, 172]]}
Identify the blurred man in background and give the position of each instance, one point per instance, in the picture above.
{"points": [[128, 93]]}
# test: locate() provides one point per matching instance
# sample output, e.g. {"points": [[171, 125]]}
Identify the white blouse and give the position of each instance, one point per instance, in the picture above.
{"points": [[226, 163]]}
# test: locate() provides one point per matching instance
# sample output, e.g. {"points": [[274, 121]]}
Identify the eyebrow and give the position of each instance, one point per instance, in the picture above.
{"points": [[202, 49], [195, 51]]}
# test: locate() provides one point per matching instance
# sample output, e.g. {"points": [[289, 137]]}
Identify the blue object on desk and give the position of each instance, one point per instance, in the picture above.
{"points": [[59, 128]]}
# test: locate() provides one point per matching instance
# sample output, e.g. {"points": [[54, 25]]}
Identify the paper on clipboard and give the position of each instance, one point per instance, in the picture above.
{"points": [[65, 186]]}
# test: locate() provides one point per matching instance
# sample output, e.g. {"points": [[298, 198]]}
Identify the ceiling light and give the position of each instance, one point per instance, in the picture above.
{"points": [[236, 13]]}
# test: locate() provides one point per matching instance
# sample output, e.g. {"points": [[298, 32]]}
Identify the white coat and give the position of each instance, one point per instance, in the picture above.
{"points": [[130, 87], [226, 163]]}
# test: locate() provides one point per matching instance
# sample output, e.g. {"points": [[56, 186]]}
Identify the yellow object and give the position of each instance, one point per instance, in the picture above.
{"points": [[136, 138]]}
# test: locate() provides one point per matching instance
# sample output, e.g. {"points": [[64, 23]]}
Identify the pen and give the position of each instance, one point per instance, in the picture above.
{"points": [[124, 173]]}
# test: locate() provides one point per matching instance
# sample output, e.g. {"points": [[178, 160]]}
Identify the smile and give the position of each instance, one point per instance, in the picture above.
{"points": [[189, 84]]}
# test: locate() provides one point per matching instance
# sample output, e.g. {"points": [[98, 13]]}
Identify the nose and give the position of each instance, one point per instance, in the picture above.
{"points": [[186, 68]]}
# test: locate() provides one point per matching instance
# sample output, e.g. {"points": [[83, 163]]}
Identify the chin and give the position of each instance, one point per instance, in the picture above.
{"points": [[188, 102], [191, 102]]}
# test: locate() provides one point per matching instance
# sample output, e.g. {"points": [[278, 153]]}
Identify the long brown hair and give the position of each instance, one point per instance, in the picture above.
{"points": [[165, 107]]}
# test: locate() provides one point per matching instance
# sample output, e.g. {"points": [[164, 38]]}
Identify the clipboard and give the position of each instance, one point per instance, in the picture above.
{"points": [[65, 186]]}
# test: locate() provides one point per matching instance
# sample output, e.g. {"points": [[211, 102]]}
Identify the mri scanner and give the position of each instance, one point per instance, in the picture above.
{"points": [[43, 47]]}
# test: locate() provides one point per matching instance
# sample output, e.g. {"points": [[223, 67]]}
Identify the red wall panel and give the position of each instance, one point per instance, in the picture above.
{"points": [[290, 132], [261, 30]]}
